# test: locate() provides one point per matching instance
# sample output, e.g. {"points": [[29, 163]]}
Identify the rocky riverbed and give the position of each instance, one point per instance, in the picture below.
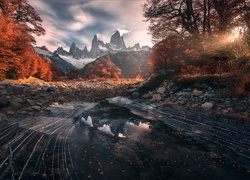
{"points": [[29, 98], [201, 96]]}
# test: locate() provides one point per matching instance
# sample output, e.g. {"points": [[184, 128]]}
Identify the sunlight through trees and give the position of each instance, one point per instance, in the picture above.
{"points": [[210, 37]]}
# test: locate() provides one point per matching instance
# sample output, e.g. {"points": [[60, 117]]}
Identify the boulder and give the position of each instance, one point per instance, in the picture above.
{"points": [[197, 93], [207, 106], [161, 90], [3, 102], [19, 100], [135, 95], [31, 102], [157, 97], [5, 82], [15, 105]]}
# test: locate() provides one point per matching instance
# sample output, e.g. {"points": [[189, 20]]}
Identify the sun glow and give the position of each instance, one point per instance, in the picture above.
{"points": [[236, 33]]}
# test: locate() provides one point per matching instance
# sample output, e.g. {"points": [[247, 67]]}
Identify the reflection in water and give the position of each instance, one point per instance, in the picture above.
{"points": [[106, 129], [226, 135], [58, 145], [88, 122]]}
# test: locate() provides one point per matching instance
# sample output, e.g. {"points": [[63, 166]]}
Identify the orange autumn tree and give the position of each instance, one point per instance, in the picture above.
{"points": [[102, 68], [172, 53], [18, 21], [10, 53]]}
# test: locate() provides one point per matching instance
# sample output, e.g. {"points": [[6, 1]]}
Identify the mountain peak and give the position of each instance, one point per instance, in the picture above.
{"points": [[117, 41]]}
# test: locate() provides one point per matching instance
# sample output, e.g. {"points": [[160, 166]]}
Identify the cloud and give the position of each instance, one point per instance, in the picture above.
{"points": [[78, 21], [123, 31]]}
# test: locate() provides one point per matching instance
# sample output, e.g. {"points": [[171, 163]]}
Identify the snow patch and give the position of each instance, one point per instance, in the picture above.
{"points": [[43, 52], [102, 48], [78, 63]]}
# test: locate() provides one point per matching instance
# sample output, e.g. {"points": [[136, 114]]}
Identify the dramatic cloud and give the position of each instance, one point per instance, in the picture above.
{"points": [[79, 20], [123, 31]]}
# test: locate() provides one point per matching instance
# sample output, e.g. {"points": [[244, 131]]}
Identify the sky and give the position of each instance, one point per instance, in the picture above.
{"points": [[67, 21]]}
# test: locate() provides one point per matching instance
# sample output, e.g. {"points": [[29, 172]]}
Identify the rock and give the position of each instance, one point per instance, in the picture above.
{"points": [[16, 90], [224, 111], [28, 109], [61, 99], [39, 104], [45, 102], [207, 106], [5, 82], [2, 116], [34, 92], [182, 102], [15, 105], [24, 112], [2, 87], [50, 89], [197, 93], [31, 102], [10, 113], [209, 95], [135, 95], [161, 90], [19, 100], [37, 108], [157, 97], [3, 102], [146, 96]]}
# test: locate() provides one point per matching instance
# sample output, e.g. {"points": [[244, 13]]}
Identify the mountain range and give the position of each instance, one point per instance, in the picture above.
{"points": [[132, 61], [99, 48]]}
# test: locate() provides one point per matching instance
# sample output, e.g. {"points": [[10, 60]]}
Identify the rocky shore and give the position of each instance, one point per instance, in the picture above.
{"points": [[199, 95], [29, 98]]}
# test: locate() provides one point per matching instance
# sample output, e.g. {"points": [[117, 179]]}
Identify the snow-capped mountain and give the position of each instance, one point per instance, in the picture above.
{"points": [[99, 48], [132, 61]]}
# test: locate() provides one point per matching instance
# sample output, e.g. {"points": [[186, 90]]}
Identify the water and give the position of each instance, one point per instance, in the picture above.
{"points": [[128, 140]]}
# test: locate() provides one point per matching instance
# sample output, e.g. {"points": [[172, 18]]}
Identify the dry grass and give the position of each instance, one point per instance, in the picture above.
{"points": [[27, 80], [115, 82]]}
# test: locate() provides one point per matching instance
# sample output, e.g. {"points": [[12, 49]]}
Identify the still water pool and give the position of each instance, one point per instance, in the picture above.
{"points": [[124, 139]]}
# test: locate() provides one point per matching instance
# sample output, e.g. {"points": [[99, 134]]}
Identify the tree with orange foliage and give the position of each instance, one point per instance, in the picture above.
{"points": [[10, 53], [18, 21], [102, 68], [171, 53]]}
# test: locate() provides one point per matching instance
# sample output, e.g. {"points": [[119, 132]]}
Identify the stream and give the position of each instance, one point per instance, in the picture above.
{"points": [[122, 138]]}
